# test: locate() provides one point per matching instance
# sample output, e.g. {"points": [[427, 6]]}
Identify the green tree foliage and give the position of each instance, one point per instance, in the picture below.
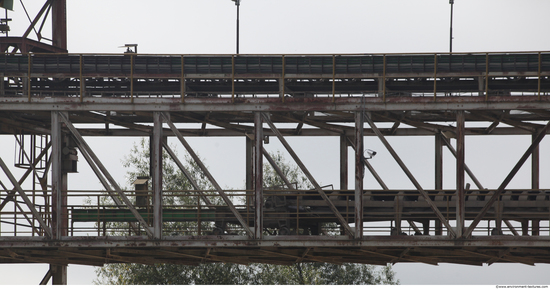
{"points": [[225, 273]]}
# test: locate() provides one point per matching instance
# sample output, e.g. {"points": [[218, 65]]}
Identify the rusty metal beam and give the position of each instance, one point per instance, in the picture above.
{"points": [[156, 169], [31, 27], [410, 258], [209, 176], [258, 176], [409, 175], [188, 175], [47, 277], [22, 211], [85, 148], [438, 161], [502, 256], [28, 202], [466, 168], [343, 162], [277, 168], [301, 165], [59, 23], [57, 175], [372, 170], [535, 165], [460, 190], [507, 180], [359, 174]]}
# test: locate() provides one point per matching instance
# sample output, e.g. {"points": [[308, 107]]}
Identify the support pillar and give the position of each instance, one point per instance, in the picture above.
{"points": [[359, 173], [59, 221], [156, 168], [438, 176], [249, 162], [59, 274], [460, 191], [535, 161], [343, 162], [535, 180], [438, 161], [258, 177], [59, 23]]}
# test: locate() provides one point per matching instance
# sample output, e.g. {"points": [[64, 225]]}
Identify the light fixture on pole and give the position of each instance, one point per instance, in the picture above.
{"points": [[238, 4], [452, 2]]}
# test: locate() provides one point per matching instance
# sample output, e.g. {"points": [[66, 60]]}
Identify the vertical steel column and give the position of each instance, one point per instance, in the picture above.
{"points": [[156, 167], [438, 174], [438, 161], [258, 177], [59, 184], [460, 193], [343, 162], [359, 173], [59, 274], [416, 184], [535, 160], [57, 181], [249, 160], [209, 176], [535, 177], [343, 222], [59, 23], [541, 134]]}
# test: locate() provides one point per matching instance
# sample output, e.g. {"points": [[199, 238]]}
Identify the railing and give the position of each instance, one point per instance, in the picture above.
{"points": [[181, 76], [285, 213]]}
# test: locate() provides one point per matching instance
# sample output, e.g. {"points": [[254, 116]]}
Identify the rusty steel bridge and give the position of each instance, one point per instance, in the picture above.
{"points": [[52, 101]]}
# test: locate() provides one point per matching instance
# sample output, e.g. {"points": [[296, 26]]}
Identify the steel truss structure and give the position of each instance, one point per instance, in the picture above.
{"points": [[53, 102]]}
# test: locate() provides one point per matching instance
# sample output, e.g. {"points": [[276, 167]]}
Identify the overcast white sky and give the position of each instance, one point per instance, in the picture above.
{"points": [[315, 26]]}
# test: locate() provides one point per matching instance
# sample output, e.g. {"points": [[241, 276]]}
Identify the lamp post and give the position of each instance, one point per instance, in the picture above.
{"points": [[452, 2], [238, 4]]}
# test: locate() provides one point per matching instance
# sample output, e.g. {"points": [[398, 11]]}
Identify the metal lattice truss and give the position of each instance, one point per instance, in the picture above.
{"points": [[54, 104]]}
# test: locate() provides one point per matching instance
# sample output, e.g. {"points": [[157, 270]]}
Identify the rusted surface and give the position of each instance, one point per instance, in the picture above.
{"points": [[317, 96]]}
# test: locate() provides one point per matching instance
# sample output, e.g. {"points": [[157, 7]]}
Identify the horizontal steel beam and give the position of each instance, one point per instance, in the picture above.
{"points": [[273, 104], [190, 242]]}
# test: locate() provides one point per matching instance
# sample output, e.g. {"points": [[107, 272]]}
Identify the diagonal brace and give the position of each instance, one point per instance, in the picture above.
{"points": [[409, 175], [508, 178], [26, 199], [83, 146], [333, 208], [276, 168], [187, 175], [371, 168], [208, 175], [466, 168], [26, 174]]}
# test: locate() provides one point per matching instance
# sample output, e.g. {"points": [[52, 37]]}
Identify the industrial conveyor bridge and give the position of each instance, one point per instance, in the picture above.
{"points": [[53, 103]]}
